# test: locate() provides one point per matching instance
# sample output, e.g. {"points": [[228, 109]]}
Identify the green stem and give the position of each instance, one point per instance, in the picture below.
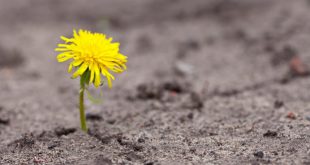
{"points": [[82, 111]]}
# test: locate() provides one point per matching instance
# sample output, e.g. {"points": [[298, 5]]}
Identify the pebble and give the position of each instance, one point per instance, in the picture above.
{"points": [[270, 134], [93, 117], [259, 154], [278, 104], [291, 115], [183, 68]]}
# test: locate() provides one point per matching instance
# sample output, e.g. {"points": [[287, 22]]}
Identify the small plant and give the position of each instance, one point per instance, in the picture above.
{"points": [[91, 55]]}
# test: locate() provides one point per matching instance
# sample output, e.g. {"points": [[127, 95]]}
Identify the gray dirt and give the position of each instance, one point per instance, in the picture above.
{"points": [[208, 82]]}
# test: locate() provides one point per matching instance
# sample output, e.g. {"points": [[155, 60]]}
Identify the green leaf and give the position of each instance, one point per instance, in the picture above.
{"points": [[85, 77], [95, 100]]}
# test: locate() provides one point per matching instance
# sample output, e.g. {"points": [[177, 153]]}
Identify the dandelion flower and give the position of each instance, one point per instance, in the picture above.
{"points": [[91, 55], [92, 52]]}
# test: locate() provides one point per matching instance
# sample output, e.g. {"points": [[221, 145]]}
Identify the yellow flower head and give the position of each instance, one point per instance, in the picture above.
{"points": [[92, 53]]}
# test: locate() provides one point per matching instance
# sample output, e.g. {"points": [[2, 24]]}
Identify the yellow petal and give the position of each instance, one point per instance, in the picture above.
{"points": [[61, 49], [92, 75], [81, 70], [63, 45], [109, 82], [97, 78], [65, 39], [77, 62], [109, 76], [70, 67], [64, 57], [75, 35]]}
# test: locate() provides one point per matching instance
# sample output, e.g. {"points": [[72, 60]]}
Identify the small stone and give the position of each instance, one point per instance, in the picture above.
{"points": [[111, 121], [183, 69], [137, 148], [4, 121], [28, 140], [141, 140], [148, 91], [270, 134], [259, 154], [190, 115], [60, 131], [10, 58], [93, 117], [53, 145], [278, 104], [291, 115], [149, 163]]}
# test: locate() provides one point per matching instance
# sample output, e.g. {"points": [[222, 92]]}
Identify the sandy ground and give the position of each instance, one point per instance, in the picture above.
{"points": [[208, 82]]}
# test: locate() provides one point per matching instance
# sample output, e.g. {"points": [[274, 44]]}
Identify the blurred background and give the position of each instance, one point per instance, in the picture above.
{"points": [[198, 69]]}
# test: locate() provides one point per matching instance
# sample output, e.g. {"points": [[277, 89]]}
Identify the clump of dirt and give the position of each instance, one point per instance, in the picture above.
{"points": [[5, 116], [270, 134], [60, 131], [156, 91], [27, 141], [103, 137], [4, 121], [10, 58], [93, 117], [297, 69]]}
